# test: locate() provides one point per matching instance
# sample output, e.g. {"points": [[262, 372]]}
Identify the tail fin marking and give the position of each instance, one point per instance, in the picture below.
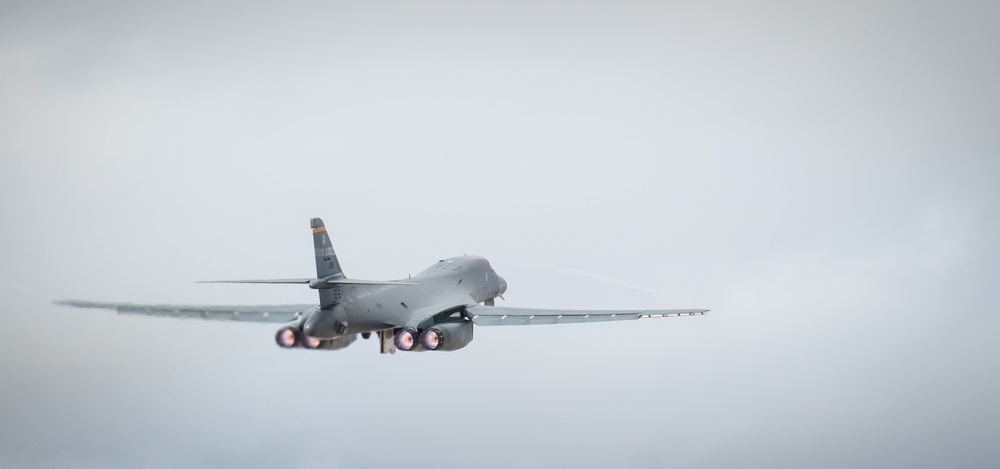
{"points": [[327, 263]]}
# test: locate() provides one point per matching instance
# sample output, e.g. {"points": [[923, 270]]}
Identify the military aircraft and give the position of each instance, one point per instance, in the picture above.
{"points": [[433, 310]]}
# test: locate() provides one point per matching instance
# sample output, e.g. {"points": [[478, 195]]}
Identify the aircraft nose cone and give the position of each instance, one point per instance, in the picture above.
{"points": [[503, 285]]}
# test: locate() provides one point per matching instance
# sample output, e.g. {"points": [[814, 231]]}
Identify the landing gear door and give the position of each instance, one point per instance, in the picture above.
{"points": [[386, 342]]}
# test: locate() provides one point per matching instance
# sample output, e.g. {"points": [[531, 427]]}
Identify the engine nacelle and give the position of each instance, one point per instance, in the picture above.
{"points": [[326, 324], [338, 343], [289, 336], [447, 336], [407, 340]]}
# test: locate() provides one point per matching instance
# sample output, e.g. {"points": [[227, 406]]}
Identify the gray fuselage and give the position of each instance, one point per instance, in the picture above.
{"points": [[449, 283]]}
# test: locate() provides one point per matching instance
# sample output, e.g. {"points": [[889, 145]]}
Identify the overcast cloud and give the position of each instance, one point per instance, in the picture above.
{"points": [[822, 177]]}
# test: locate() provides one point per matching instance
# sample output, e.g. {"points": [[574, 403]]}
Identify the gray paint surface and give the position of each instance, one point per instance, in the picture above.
{"points": [[823, 177]]}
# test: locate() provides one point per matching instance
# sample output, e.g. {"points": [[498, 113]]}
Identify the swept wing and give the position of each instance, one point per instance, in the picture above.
{"points": [[258, 313], [506, 316]]}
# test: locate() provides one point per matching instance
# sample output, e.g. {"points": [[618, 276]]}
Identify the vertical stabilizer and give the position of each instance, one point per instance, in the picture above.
{"points": [[326, 258], [327, 264]]}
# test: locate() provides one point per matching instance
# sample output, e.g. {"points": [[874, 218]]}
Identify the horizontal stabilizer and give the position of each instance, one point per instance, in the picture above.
{"points": [[272, 280], [316, 282]]}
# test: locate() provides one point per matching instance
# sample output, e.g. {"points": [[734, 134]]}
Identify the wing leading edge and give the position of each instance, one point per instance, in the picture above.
{"points": [[506, 316], [259, 313]]}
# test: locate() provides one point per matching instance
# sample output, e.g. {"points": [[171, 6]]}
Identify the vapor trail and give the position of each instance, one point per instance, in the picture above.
{"points": [[20, 288], [584, 273]]}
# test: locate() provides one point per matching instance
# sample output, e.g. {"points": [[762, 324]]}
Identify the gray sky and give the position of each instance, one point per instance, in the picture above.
{"points": [[823, 177]]}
